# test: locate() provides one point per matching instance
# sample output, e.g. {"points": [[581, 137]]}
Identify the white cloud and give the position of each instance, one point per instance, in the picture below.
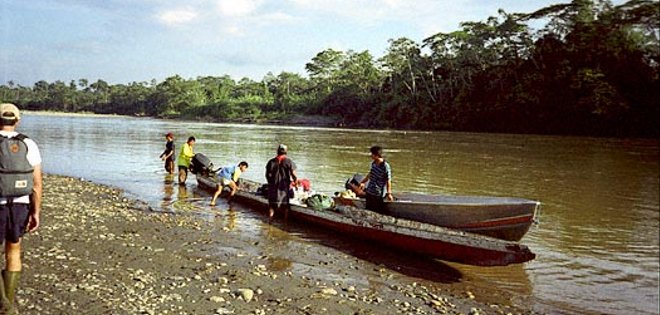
{"points": [[238, 8], [371, 12], [233, 31], [177, 16]]}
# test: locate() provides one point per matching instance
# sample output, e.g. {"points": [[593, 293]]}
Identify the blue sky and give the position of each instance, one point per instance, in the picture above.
{"points": [[122, 41]]}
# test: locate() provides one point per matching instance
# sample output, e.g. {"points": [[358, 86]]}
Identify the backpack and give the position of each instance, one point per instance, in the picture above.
{"points": [[319, 201], [16, 173]]}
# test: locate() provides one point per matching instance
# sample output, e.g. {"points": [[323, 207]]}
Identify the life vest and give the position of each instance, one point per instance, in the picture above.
{"points": [[16, 173]]}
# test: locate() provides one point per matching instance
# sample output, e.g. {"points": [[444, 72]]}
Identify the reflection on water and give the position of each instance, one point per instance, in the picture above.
{"points": [[168, 189], [597, 245]]}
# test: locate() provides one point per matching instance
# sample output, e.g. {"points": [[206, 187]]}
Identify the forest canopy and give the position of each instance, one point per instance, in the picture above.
{"points": [[592, 69]]}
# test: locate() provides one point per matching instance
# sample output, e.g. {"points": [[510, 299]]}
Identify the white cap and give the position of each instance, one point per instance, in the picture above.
{"points": [[9, 111]]}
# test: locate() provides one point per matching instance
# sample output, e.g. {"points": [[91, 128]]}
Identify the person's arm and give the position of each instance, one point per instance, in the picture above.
{"points": [[294, 177], [167, 152], [268, 175], [388, 184], [364, 180], [35, 199], [188, 151]]}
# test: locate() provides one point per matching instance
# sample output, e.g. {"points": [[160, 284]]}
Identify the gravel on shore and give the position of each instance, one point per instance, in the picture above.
{"points": [[98, 252]]}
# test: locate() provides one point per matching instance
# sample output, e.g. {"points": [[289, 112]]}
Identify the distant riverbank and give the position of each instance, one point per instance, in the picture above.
{"points": [[293, 120]]}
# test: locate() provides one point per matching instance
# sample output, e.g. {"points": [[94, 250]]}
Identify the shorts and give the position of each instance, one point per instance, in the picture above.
{"points": [[169, 164], [225, 181], [13, 221]]}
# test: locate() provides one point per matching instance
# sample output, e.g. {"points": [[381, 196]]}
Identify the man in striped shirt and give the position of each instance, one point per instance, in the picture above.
{"points": [[380, 181]]}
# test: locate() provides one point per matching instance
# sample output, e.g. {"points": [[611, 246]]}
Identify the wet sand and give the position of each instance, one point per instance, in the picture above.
{"points": [[98, 252]]}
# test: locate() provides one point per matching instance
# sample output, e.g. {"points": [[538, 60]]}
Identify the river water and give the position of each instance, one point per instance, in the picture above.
{"points": [[597, 242]]}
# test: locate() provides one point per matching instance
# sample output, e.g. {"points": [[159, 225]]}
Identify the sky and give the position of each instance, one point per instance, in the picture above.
{"points": [[124, 41]]}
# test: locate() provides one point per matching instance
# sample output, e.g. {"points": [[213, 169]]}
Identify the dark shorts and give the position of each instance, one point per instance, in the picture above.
{"points": [[279, 198], [13, 221], [169, 164], [375, 203]]}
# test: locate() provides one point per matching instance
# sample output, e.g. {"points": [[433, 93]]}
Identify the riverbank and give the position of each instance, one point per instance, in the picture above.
{"points": [[98, 252], [292, 120]]}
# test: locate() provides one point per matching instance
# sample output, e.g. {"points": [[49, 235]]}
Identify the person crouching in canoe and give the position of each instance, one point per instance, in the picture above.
{"points": [[228, 177]]}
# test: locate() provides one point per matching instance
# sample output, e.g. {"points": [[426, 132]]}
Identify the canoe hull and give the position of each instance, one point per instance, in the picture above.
{"points": [[499, 217], [405, 235]]}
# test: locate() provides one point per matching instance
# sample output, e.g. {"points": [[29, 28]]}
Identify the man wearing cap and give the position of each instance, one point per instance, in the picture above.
{"points": [[20, 198], [168, 154], [280, 173]]}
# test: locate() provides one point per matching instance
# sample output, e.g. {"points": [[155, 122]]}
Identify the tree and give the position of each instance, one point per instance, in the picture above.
{"points": [[324, 68]]}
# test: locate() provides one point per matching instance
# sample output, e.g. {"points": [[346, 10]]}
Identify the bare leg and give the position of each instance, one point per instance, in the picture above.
{"points": [[216, 194], [13, 256], [183, 174]]}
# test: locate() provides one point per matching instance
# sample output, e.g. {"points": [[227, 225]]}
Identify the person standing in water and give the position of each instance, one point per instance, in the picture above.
{"points": [[185, 156], [380, 182], [168, 154], [280, 174]]}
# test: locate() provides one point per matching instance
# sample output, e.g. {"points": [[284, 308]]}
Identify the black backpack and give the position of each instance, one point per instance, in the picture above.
{"points": [[16, 173]]}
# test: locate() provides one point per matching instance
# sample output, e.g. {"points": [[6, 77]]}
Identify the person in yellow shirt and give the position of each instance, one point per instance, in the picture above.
{"points": [[228, 177], [185, 156]]}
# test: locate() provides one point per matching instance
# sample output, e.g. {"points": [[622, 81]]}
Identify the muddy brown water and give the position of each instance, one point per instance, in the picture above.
{"points": [[597, 242]]}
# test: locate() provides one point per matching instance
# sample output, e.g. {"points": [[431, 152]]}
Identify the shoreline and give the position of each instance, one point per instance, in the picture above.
{"points": [[301, 120], [98, 251]]}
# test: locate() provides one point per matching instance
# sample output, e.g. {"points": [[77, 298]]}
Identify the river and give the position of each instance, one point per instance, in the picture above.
{"points": [[597, 242]]}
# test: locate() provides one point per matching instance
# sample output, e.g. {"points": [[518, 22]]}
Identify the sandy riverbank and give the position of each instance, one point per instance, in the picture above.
{"points": [[100, 253], [292, 120]]}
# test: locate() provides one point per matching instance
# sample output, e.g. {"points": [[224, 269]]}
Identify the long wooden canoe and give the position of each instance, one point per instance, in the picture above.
{"points": [[404, 235], [500, 217]]}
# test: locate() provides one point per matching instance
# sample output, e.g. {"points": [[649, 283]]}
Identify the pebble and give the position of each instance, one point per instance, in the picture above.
{"points": [[97, 251], [246, 294]]}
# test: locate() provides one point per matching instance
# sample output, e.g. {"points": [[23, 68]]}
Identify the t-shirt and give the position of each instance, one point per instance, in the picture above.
{"points": [[185, 155], [33, 157], [231, 172], [378, 177], [169, 147], [279, 171]]}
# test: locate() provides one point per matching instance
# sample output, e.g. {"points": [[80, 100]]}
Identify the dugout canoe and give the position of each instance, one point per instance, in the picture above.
{"points": [[505, 218], [404, 235]]}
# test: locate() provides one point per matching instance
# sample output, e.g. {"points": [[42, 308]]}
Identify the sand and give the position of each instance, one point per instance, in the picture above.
{"points": [[98, 252]]}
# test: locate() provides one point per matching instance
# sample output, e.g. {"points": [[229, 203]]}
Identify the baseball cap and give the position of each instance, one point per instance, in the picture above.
{"points": [[281, 148], [9, 111]]}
